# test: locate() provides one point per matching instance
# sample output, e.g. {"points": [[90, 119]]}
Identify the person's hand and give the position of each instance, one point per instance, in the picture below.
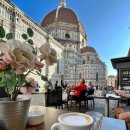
{"points": [[117, 92]]}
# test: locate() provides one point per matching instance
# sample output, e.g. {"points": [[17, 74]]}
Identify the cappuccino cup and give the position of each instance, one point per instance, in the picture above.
{"points": [[73, 121]]}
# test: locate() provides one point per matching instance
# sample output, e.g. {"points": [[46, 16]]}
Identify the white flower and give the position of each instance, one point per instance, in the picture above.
{"points": [[18, 54], [48, 54]]}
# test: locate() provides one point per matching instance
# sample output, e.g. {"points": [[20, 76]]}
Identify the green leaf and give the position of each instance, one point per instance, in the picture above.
{"points": [[44, 78], [38, 73], [9, 36], [10, 79], [34, 51], [27, 84], [30, 41], [1, 73], [25, 36], [2, 32], [1, 77], [11, 82], [30, 32], [21, 79]]}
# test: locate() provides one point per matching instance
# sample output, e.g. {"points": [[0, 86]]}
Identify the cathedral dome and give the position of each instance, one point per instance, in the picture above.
{"points": [[88, 49], [61, 14]]}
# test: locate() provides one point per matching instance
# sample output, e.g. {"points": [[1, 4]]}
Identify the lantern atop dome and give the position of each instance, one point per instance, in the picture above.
{"points": [[63, 3]]}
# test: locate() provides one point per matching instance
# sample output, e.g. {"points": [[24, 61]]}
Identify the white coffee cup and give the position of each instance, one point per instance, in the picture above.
{"points": [[73, 121]]}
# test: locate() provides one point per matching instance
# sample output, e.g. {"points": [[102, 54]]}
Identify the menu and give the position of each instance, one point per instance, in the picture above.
{"points": [[125, 78], [112, 95]]}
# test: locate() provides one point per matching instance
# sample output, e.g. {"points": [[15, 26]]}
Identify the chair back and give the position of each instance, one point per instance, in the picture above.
{"points": [[53, 97], [83, 95], [90, 91], [3, 93]]}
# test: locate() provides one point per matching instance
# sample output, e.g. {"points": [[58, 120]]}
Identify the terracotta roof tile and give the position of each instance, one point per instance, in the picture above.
{"points": [[88, 49], [64, 15]]}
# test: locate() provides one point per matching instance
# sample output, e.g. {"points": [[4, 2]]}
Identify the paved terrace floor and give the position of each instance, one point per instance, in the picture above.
{"points": [[39, 99]]}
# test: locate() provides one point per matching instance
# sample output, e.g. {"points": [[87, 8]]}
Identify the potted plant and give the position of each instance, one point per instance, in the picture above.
{"points": [[17, 61]]}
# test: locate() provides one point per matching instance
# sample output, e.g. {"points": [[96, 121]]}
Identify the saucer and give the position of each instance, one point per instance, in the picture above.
{"points": [[36, 115]]}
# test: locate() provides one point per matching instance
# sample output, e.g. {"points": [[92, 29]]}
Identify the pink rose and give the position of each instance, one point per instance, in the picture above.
{"points": [[26, 90], [48, 54], [38, 65], [18, 54], [2, 66]]}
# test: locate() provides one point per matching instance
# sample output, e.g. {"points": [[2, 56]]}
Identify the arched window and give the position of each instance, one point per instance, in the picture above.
{"points": [[58, 67], [82, 44], [96, 76], [80, 76], [88, 58], [67, 36], [83, 61]]}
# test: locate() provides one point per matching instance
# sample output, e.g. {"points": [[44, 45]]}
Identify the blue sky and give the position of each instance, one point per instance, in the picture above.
{"points": [[106, 23]]}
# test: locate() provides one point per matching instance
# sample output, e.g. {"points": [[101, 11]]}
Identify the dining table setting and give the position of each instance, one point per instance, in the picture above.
{"points": [[56, 119]]}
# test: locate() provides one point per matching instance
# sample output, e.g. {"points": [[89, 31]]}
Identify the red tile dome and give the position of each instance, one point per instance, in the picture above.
{"points": [[63, 15], [88, 49]]}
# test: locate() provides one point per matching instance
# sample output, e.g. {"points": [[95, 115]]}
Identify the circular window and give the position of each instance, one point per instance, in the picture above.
{"points": [[67, 35]]}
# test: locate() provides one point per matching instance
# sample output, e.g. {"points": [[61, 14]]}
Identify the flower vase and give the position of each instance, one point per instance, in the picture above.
{"points": [[14, 114]]}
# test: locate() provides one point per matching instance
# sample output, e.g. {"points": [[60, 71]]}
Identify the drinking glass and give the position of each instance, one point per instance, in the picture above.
{"points": [[97, 117]]}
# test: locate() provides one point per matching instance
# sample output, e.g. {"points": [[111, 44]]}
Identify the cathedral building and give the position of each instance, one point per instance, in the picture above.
{"points": [[80, 60], [67, 35]]}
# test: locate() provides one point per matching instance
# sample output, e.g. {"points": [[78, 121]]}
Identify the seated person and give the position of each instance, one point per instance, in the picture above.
{"points": [[78, 89], [90, 89], [123, 113]]}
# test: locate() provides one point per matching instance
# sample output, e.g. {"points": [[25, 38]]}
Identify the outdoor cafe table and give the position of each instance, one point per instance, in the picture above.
{"points": [[51, 117], [112, 97], [52, 114], [113, 124]]}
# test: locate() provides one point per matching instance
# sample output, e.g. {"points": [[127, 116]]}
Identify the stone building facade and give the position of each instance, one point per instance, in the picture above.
{"points": [[112, 81]]}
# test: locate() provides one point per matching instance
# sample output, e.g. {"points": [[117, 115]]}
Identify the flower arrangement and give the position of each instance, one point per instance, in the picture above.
{"points": [[19, 59]]}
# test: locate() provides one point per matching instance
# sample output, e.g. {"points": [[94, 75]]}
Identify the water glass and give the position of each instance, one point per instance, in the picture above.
{"points": [[97, 117]]}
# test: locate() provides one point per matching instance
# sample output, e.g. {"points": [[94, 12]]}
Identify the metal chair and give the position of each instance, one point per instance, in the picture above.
{"points": [[54, 98], [72, 100], [91, 99]]}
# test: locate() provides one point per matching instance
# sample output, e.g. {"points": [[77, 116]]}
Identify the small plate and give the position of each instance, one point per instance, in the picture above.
{"points": [[36, 115]]}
